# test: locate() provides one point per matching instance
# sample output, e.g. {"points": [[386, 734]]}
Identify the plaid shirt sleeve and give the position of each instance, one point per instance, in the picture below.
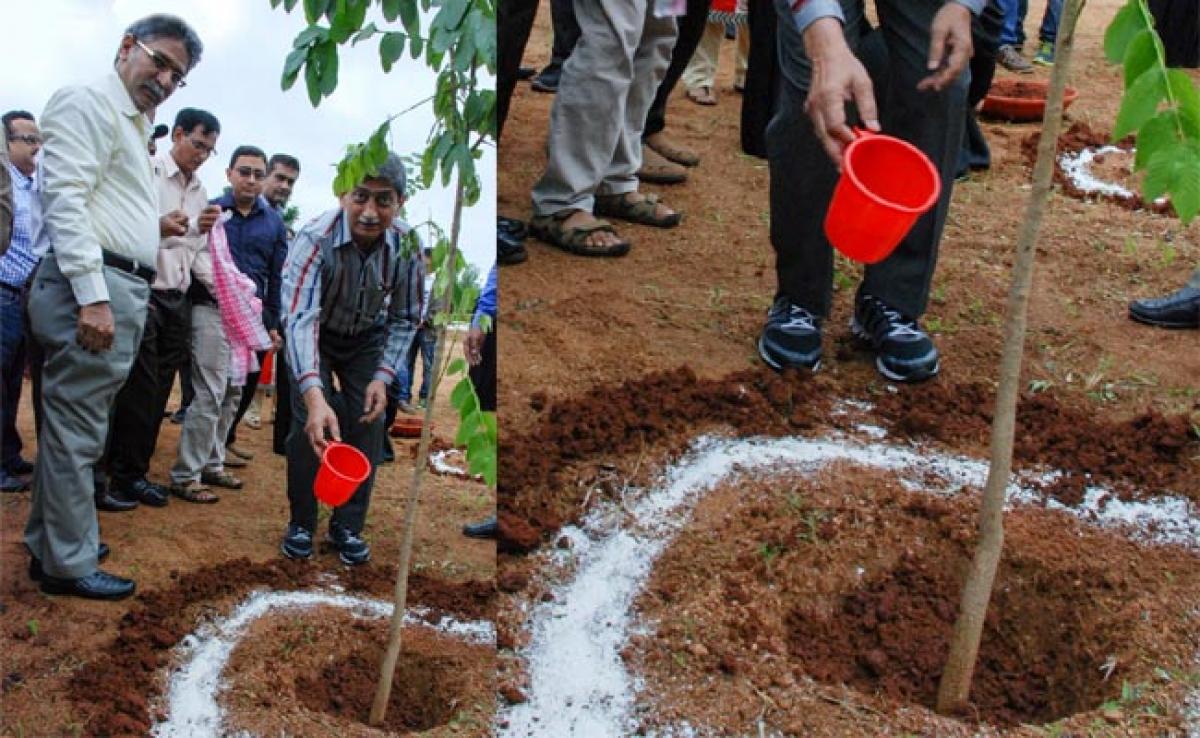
{"points": [[301, 296], [404, 312], [6, 204]]}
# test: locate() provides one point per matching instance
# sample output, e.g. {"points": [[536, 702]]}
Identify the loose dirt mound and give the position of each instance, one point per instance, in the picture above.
{"points": [[1144, 456], [806, 578], [116, 688]]}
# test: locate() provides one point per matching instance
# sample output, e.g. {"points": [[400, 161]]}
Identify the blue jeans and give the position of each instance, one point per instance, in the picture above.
{"points": [[425, 341], [12, 368], [1013, 32]]}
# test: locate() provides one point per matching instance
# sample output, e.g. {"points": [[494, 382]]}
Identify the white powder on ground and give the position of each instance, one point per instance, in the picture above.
{"points": [[578, 683], [1077, 166], [192, 709]]}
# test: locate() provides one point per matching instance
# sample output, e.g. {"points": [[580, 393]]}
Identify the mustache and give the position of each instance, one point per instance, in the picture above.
{"points": [[369, 222], [155, 89]]}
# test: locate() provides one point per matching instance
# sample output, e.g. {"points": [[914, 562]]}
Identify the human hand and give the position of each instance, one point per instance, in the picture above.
{"points": [[95, 329], [375, 401], [950, 46], [174, 223], [838, 77], [321, 421], [208, 218], [276, 339], [473, 346]]}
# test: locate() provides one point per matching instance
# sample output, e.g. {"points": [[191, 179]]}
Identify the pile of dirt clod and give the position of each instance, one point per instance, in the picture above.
{"points": [[1146, 455], [618, 419], [1139, 457], [1077, 138], [116, 688]]}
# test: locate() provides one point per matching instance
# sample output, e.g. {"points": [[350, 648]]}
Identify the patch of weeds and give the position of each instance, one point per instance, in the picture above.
{"points": [[841, 280], [1166, 254], [1038, 386], [812, 525], [938, 294], [680, 658], [33, 627], [769, 552], [1131, 247]]}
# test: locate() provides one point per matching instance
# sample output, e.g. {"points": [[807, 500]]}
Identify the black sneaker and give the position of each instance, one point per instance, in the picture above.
{"points": [[903, 351], [297, 543], [791, 337], [351, 548]]}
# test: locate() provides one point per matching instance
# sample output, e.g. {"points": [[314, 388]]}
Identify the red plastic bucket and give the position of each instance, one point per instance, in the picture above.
{"points": [[343, 468], [266, 376], [886, 184]]}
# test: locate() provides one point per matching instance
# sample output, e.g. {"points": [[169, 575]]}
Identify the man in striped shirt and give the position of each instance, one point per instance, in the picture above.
{"points": [[351, 303]]}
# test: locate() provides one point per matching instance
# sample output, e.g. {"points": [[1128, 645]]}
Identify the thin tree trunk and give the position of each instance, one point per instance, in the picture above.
{"points": [[387, 669], [955, 685]]}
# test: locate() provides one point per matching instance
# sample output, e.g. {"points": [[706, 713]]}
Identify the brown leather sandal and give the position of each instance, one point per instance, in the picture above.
{"points": [[549, 228], [194, 491]]}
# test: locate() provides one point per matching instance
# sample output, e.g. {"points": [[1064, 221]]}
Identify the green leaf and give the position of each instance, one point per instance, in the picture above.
{"points": [[391, 48], [479, 450], [411, 18], [416, 46], [1160, 131], [1183, 90], [1128, 23], [312, 77], [1140, 55], [391, 9], [458, 366], [1185, 184], [289, 5], [310, 35], [314, 9], [274, 4], [366, 33], [329, 70], [291, 67], [461, 391], [1140, 102]]}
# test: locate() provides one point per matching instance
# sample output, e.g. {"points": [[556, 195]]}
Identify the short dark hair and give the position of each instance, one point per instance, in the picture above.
{"points": [[246, 151], [393, 171], [189, 118], [286, 160], [170, 26], [12, 115]]}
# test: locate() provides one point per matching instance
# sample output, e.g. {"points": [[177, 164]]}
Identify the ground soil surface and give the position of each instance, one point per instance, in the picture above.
{"points": [[612, 366], [73, 667]]}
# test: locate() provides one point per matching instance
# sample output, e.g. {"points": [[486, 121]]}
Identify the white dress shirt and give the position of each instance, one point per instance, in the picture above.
{"points": [[99, 192], [176, 254]]}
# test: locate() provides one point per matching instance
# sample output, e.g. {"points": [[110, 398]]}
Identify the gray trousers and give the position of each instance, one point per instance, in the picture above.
{"points": [[353, 360], [79, 388], [201, 441], [803, 176], [607, 86]]}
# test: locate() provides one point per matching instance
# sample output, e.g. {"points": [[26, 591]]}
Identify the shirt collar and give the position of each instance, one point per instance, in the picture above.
{"points": [[20, 179], [115, 89], [171, 169]]}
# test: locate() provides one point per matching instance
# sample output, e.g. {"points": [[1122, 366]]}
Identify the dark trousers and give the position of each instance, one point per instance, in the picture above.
{"points": [[1178, 23], [803, 176], [483, 374], [514, 20], [566, 30], [424, 343], [138, 410], [12, 371], [283, 404], [762, 77], [248, 393], [353, 360], [691, 29]]}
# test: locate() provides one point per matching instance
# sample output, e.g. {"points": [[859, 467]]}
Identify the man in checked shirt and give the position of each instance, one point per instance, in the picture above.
{"points": [[352, 288]]}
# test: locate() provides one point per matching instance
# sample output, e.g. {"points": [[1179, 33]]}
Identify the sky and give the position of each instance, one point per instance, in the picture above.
{"points": [[245, 44]]}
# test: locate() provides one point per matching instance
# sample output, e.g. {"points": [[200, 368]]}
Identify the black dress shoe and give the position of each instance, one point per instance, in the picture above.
{"points": [[511, 227], [19, 467], [486, 529], [107, 503], [1177, 310], [99, 585], [35, 564], [525, 72], [145, 492], [547, 79]]}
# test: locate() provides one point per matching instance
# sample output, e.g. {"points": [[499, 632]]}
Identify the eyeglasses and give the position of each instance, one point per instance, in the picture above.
{"points": [[162, 63], [205, 149], [258, 174], [30, 139], [383, 198]]}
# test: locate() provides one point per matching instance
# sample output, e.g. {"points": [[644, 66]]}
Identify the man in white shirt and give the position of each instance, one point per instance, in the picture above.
{"points": [[88, 300], [186, 217]]}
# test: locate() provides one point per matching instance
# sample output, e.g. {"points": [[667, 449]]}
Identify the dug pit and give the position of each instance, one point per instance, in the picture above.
{"points": [[854, 591]]}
